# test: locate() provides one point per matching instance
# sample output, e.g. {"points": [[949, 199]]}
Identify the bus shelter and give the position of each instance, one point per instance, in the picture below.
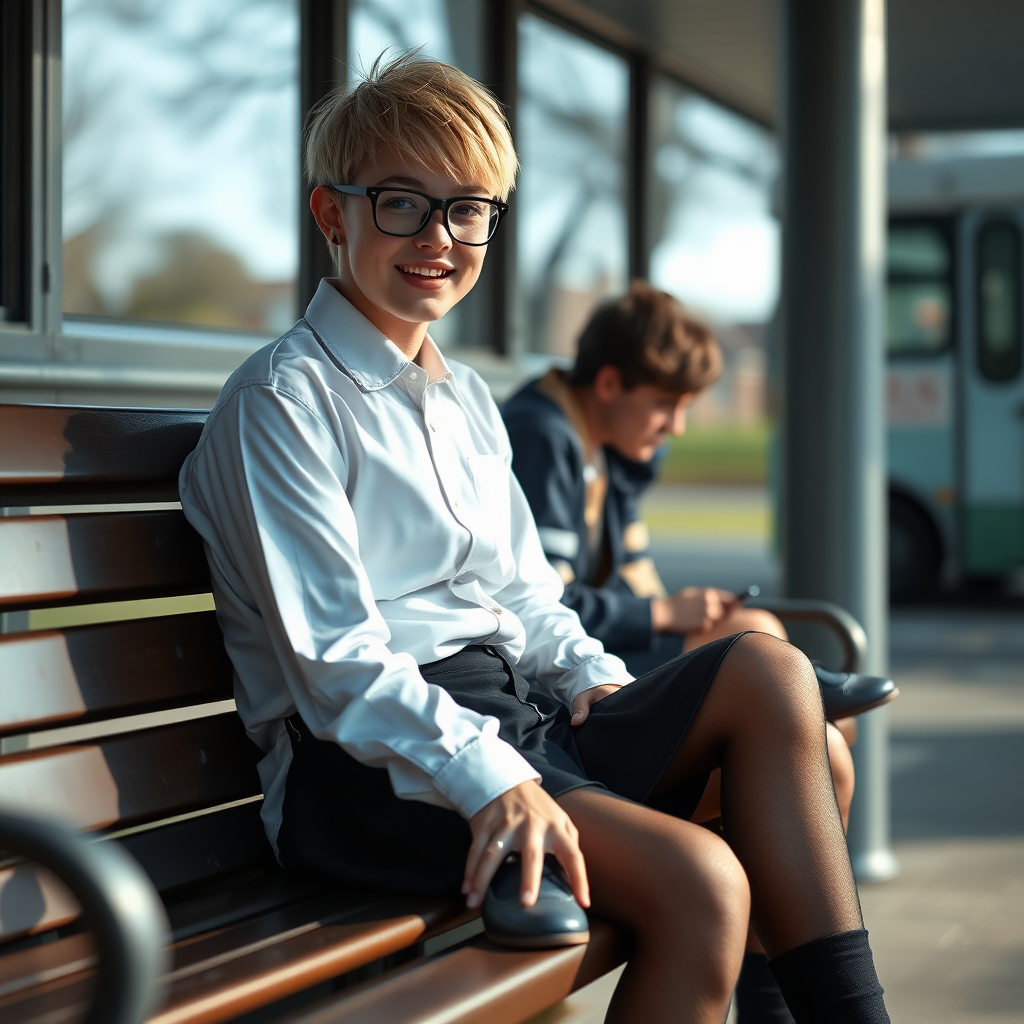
{"points": [[828, 79]]}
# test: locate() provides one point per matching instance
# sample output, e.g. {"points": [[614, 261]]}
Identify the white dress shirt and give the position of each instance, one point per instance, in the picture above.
{"points": [[360, 518]]}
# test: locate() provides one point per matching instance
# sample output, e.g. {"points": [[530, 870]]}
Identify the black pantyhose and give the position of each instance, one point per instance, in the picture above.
{"points": [[680, 889], [761, 721]]}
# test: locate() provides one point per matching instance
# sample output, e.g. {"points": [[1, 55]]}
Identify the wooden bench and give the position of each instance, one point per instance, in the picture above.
{"points": [[123, 730]]}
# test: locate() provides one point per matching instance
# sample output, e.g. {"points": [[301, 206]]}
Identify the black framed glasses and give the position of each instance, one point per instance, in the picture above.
{"points": [[470, 220]]}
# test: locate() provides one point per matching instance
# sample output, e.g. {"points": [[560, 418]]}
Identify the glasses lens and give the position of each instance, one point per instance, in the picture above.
{"points": [[472, 220], [401, 213]]}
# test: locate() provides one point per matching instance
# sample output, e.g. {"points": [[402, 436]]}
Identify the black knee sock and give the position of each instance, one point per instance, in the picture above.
{"points": [[758, 998], [831, 981]]}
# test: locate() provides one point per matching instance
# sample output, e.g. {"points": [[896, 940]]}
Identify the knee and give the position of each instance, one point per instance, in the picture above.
{"points": [[781, 676], [759, 621], [701, 882]]}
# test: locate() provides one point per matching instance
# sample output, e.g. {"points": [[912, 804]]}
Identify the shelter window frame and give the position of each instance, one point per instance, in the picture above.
{"points": [[18, 30], [47, 357]]}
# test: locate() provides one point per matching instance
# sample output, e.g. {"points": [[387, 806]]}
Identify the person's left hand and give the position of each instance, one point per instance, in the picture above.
{"points": [[588, 698]]}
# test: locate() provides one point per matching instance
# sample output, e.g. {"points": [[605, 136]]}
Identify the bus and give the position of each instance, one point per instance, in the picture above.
{"points": [[955, 374]]}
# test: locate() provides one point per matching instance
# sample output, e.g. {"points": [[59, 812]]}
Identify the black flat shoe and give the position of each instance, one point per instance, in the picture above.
{"points": [[847, 693], [556, 919]]}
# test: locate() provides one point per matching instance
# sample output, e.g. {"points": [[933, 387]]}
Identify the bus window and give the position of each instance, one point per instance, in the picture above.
{"points": [[999, 301], [919, 299]]}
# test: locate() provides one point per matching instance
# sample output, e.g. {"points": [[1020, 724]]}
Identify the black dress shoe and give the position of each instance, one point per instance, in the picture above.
{"points": [[847, 693], [556, 919]]}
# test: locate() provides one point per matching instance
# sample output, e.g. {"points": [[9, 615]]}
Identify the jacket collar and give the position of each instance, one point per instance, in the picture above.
{"points": [[554, 387], [365, 354]]}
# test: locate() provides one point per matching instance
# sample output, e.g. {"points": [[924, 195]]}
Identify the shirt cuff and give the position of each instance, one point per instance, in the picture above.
{"points": [[481, 771], [601, 670]]}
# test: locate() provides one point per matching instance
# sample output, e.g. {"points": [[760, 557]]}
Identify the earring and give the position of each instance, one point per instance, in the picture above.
{"points": [[334, 239]]}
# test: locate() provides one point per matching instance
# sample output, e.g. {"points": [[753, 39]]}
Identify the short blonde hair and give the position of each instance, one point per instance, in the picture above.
{"points": [[431, 112]]}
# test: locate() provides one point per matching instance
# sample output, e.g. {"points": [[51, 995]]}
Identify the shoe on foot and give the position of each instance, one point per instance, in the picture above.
{"points": [[847, 693], [556, 919]]}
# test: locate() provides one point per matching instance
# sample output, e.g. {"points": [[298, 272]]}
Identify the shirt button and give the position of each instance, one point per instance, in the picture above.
{"points": [[414, 376]]}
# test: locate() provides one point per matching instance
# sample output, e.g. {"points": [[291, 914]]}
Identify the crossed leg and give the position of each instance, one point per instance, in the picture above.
{"points": [[683, 894], [761, 722]]}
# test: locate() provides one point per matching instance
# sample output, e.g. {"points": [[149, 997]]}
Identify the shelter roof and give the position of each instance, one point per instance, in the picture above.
{"points": [[954, 65]]}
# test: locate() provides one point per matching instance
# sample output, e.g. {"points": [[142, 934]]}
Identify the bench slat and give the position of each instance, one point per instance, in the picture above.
{"points": [[477, 984], [224, 842], [77, 559], [137, 777], [33, 901], [218, 977], [89, 672], [71, 454], [215, 845]]}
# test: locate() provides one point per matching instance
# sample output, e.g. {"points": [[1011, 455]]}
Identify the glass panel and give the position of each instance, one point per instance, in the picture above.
{"points": [[999, 305], [715, 245], [571, 198], [917, 317], [714, 237], [918, 250], [181, 161], [448, 30]]}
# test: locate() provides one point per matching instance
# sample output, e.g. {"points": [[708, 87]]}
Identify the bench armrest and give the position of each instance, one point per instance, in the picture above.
{"points": [[846, 628], [119, 906]]}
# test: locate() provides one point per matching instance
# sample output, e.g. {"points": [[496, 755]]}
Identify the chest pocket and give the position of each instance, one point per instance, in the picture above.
{"points": [[490, 480]]}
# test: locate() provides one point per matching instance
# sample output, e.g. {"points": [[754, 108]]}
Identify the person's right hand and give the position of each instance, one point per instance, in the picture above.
{"points": [[524, 820], [692, 610]]}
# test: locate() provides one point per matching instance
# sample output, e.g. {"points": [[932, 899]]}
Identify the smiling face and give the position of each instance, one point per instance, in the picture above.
{"points": [[636, 421], [400, 284]]}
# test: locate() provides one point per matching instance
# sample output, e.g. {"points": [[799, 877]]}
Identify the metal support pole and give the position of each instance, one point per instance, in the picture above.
{"points": [[833, 454]]}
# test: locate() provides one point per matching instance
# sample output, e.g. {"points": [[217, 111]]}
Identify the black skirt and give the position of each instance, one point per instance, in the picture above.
{"points": [[342, 820]]}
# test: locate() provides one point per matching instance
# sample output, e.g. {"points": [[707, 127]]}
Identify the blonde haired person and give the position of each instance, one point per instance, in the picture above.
{"points": [[425, 703]]}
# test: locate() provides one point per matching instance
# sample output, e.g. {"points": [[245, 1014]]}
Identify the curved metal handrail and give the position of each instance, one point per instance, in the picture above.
{"points": [[823, 613], [119, 905]]}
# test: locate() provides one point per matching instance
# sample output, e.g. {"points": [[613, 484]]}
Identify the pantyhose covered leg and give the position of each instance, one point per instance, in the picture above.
{"points": [[761, 722]]}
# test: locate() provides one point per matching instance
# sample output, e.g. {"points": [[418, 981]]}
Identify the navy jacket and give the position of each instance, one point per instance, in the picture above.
{"points": [[550, 459]]}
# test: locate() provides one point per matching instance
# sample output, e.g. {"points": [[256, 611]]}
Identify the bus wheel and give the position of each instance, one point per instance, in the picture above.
{"points": [[915, 550]]}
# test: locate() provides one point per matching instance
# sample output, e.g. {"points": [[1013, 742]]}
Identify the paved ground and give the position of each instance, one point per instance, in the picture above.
{"points": [[949, 932]]}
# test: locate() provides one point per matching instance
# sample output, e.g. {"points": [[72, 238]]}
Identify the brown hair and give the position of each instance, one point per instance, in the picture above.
{"points": [[431, 112], [650, 339]]}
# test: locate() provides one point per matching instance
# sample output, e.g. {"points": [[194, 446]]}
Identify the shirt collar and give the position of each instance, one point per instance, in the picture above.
{"points": [[365, 354], [431, 360]]}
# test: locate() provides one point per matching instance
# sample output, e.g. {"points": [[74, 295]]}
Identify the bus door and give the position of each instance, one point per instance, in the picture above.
{"points": [[993, 392]]}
